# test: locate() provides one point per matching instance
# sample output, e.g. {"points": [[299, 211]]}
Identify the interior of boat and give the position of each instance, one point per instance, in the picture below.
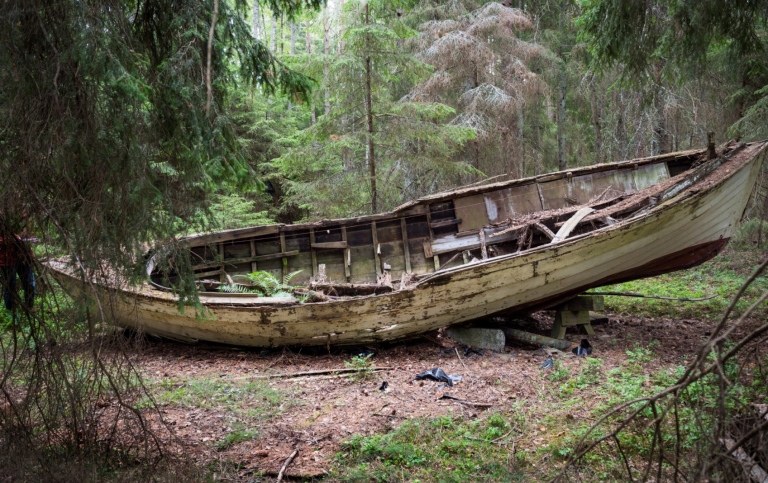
{"points": [[384, 252]]}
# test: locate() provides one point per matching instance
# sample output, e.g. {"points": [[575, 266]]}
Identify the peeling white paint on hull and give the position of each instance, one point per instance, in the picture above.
{"points": [[679, 232]]}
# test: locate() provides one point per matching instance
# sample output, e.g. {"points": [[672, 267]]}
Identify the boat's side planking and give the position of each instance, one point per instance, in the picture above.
{"points": [[434, 233], [677, 233]]}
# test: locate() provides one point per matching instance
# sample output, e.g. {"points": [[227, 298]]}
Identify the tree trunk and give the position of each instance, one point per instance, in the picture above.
{"points": [[256, 21], [293, 38], [273, 47], [597, 122], [341, 30], [326, 51], [561, 161], [313, 117], [369, 114], [521, 139]]}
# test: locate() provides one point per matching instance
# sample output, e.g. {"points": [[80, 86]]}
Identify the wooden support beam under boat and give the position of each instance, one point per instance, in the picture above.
{"points": [[406, 249]]}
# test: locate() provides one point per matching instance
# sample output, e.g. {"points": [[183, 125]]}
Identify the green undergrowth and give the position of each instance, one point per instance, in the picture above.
{"points": [[245, 404], [722, 277], [443, 449], [602, 389]]}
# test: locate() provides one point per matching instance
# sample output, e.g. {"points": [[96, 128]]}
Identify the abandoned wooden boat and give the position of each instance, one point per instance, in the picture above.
{"points": [[452, 257]]}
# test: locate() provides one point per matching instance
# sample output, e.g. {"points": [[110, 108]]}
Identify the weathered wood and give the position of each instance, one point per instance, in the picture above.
{"points": [[284, 260], [376, 249], [406, 248], [220, 254], [312, 250], [435, 257], [332, 245], [566, 229], [543, 229], [536, 339], [238, 261], [755, 471], [208, 274], [442, 223], [254, 264], [686, 230], [427, 245], [584, 302], [347, 253]]}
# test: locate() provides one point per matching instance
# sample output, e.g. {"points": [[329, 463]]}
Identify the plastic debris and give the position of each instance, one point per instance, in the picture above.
{"points": [[383, 386], [584, 349], [548, 364], [438, 375], [365, 352], [469, 351]]}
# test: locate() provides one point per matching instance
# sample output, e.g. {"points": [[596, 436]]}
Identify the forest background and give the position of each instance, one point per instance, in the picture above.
{"points": [[130, 123]]}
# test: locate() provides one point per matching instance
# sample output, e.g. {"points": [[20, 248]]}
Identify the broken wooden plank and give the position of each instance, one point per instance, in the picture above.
{"points": [[539, 226], [427, 249], [755, 471], [566, 229]]}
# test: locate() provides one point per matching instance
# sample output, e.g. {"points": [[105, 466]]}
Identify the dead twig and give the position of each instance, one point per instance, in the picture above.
{"points": [[457, 355], [465, 402], [285, 465]]}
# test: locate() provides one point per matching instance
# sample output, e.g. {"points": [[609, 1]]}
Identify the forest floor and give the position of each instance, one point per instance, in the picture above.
{"points": [[238, 414]]}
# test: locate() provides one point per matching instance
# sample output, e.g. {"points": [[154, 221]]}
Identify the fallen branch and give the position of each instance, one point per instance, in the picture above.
{"points": [[756, 472], [457, 355], [315, 373], [465, 402], [285, 465]]}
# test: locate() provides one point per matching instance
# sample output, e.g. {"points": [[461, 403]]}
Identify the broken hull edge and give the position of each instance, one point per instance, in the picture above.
{"points": [[634, 249]]}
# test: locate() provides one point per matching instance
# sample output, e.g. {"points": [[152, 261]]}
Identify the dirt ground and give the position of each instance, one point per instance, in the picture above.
{"points": [[323, 410]]}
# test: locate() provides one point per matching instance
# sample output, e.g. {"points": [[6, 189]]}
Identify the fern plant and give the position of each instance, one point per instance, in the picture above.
{"points": [[262, 283]]}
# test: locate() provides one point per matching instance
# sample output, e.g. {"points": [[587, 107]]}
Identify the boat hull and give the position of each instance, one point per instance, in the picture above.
{"points": [[681, 232]]}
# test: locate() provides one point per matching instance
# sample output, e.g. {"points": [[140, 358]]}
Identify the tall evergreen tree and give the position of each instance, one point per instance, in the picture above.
{"points": [[481, 68], [683, 39], [372, 150]]}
